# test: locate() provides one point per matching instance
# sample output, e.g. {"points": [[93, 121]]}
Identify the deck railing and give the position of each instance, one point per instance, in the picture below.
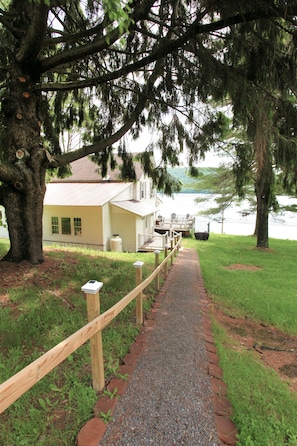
{"points": [[184, 223], [153, 240], [18, 384]]}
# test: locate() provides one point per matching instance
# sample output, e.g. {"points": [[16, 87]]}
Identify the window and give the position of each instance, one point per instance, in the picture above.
{"points": [[66, 225], [142, 190], [55, 225], [77, 226]]}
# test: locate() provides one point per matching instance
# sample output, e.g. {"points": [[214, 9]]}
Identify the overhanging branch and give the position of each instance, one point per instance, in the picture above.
{"points": [[100, 43], [67, 158], [166, 47], [80, 52]]}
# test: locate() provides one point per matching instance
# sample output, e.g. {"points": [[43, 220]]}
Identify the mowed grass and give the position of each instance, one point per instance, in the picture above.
{"points": [[264, 410], [40, 310], [268, 294]]}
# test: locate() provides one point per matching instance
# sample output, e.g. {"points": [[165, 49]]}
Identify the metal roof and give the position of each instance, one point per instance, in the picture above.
{"points": [[82, 194], [84, 170], [136, 207]]}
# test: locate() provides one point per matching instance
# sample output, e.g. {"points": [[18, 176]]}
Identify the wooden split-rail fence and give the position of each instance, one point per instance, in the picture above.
{"points": [[18, 384]]}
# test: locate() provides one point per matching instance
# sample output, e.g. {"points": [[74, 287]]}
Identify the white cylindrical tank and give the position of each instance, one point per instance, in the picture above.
{"points": [[116, 243]]}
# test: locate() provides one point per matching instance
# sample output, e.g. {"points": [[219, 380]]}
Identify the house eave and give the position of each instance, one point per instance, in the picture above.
{"points": [[135, 207]]}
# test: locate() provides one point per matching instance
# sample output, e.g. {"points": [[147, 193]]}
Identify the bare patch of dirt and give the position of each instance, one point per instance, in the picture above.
{"points": [[24, 273], [276, 349]]}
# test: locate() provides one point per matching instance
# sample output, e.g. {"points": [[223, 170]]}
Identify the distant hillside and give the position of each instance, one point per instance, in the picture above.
{"points": [[190, 184]]}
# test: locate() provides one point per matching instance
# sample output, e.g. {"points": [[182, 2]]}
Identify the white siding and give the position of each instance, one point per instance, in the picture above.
{"points": [[106, 226], [123, 223], [127, 194]]}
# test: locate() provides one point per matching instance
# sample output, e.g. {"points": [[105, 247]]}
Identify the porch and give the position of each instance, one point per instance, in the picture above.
{"points": [[151, 242], [178, 223]]}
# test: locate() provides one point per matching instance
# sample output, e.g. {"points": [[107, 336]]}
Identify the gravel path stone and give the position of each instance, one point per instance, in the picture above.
{"points": [[167, 401]]}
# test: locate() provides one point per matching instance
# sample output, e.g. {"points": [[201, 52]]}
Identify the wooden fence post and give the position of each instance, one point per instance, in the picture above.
{"points": [[171, 246], [138, 279], [166, 264], [91, 290], [177, 240], [157, 262]]}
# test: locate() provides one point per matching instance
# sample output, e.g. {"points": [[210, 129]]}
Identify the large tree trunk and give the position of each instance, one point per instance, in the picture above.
{"points": [[24, 157], [263, 198], [23, 196], [264, 173], [24, 211], [263, 184]]}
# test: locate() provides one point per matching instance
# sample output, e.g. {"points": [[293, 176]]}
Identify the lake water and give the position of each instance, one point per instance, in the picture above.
{"points": [[282, 225]]}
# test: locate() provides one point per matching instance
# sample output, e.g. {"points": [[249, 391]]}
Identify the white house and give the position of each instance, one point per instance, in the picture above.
{"points": [[86, 209]]}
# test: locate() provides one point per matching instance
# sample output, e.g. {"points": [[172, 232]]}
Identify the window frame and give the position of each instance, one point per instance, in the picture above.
{"points": [[77, 228], [55, 224], [66, 226]]}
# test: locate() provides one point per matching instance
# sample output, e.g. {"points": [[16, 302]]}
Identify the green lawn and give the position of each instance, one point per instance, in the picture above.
{"points": [[264, 410]]}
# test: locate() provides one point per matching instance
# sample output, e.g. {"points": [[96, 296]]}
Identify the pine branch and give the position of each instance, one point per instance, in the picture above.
{"points": [[99, 44], [110, 140], [164, 48], [80, 52]]}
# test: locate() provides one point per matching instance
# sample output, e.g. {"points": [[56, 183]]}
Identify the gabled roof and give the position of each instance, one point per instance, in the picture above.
{"points": [[82, 194], [85, 170], [136, 207]]}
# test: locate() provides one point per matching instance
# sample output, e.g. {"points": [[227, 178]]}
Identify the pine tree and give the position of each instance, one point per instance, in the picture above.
{"points": [[271, 67], [259, 81]]}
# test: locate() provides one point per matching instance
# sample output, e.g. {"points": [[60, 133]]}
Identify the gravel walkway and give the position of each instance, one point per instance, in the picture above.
{"points": [[167, 401]]}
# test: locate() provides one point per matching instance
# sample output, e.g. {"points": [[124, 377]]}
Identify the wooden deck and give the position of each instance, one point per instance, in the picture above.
{"points": [[152, 242], [183, 224]]}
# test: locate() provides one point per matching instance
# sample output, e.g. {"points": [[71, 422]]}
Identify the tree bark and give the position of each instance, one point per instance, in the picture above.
{"points": [[23, 196], [262, 192], [23, 202], [24, 210], [264, 171], [263, 184]]}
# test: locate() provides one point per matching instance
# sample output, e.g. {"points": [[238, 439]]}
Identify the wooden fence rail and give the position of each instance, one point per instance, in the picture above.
{"points": [[18, 384]]}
